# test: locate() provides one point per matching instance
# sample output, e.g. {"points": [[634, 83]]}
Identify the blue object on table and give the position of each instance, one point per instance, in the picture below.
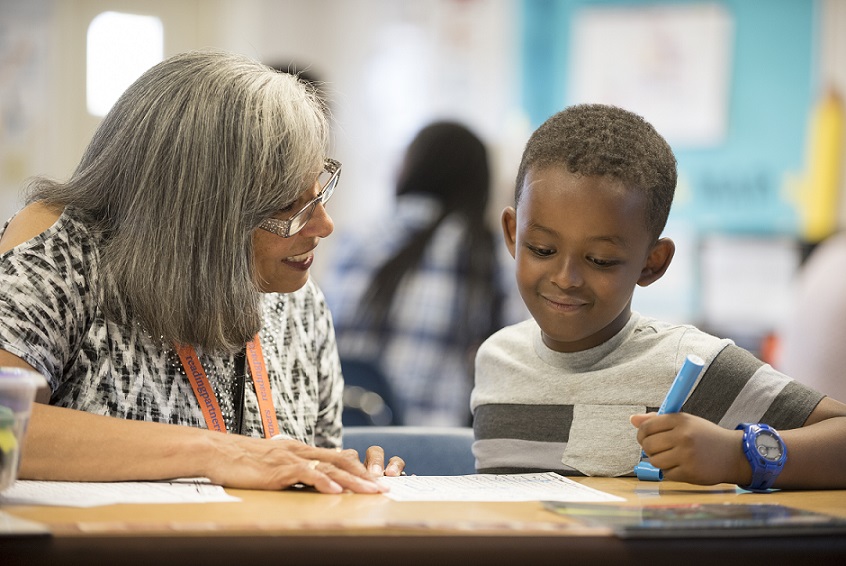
{"points": [[673, 402]]}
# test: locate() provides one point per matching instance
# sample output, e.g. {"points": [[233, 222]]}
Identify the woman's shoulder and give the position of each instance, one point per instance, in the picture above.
{"points": [[31, 221], [40, 235]]}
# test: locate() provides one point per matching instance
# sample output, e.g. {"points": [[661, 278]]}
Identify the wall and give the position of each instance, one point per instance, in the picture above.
{"points": [[391, 65], [739, 183], [24, 78]]}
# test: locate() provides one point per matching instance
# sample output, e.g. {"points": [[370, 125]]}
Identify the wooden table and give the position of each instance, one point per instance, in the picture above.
{"points": [[296, 527]]}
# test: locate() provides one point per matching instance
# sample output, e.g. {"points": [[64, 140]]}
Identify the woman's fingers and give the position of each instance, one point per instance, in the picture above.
{"points": [[328, 478], [279, 464], [322, 482], [342, 467], [396, 467], [333, 470], [343, 459], [374, 461]]}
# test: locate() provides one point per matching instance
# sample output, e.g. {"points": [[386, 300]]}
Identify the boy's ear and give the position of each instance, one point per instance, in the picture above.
{"points": [[509, 229], [658, 261]]}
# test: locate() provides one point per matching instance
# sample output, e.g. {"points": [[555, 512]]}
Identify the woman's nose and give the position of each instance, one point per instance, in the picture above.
{"points": [[320, 224]]}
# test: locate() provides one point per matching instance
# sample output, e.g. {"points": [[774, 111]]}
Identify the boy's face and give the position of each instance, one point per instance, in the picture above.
{"points": [[581, 245]]}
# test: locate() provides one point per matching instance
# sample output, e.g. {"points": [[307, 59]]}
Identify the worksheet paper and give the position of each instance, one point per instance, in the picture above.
{"points": [[92, 494], [488, 487]]}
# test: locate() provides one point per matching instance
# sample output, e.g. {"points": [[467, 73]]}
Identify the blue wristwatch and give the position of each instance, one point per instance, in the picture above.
{"points": [[766, 453]]}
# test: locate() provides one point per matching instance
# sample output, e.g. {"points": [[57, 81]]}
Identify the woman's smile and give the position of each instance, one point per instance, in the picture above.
{"points": [[301, 262]]}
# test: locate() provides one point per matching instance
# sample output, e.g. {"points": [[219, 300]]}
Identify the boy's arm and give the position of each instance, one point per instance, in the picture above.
{"points": [[816, 453], [691, 449]]}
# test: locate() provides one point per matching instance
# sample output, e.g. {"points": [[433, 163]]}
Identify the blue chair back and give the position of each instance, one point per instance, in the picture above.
{"points": [[427, 451], [368, 397]]}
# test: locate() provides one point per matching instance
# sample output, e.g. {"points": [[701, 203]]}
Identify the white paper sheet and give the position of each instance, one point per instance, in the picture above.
{"points": [[487, 487], [91, 494]]}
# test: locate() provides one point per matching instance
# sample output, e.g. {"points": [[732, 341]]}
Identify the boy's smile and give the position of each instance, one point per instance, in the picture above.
{"points": [[581, 245]]}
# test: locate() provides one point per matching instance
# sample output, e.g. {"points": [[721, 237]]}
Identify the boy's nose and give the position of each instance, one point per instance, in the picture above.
{"points": [[567, 274]]}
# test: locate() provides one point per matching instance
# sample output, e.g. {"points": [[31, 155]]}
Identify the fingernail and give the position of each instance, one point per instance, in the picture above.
{"points": [[376, 469], [335, 487]]}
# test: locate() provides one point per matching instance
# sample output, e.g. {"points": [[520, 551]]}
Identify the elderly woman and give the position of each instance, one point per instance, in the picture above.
{"points": [[167, 283]]}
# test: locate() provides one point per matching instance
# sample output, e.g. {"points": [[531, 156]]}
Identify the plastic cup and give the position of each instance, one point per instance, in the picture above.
{"points": [[17, 393]]}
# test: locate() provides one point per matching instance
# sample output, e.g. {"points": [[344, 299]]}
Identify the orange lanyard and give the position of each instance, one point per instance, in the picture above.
{"points": [[207, 399]]}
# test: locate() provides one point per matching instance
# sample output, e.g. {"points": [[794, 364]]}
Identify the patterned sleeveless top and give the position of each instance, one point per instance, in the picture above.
{"points": [[51, 318]]}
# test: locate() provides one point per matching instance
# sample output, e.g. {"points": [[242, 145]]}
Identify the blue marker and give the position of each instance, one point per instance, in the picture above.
{"points": [[678, 392]]}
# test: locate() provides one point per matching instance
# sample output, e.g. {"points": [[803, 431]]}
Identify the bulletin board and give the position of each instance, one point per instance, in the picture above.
{"points": [[740, 167], [741, 158], [670, 63]]}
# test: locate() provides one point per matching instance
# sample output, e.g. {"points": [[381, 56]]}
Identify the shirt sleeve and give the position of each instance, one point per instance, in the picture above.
{"points": [[737, 387], [43, 298]]}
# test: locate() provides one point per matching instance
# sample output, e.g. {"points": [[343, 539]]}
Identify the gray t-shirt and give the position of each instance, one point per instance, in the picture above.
{"points": [[537, 409], [50, 316]]}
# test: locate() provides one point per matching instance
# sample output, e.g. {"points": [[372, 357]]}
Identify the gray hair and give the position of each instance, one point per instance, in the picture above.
{"points": [[192, 157]]}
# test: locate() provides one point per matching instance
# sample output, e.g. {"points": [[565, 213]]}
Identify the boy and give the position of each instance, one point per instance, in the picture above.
{"points": [[568, 389]]}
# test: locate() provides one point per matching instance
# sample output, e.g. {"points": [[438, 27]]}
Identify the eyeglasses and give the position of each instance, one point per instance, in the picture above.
{"points": [[328, 181]]}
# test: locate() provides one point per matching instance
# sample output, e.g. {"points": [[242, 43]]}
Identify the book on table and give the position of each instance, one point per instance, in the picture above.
{"points": [[700, 519]]}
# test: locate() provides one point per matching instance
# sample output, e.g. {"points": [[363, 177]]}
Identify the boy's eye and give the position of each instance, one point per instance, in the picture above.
{"points": [[540, 252], [602, 262]]}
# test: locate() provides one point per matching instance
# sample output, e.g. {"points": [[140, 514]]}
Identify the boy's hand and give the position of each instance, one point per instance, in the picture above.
{"points": [[691, 449]]}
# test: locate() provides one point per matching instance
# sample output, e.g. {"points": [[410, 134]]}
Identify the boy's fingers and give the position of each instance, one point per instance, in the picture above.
{"points": [[641, 418]]}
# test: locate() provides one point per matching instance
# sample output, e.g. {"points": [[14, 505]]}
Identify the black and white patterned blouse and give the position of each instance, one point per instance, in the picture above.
{"points": [[51, 318]]}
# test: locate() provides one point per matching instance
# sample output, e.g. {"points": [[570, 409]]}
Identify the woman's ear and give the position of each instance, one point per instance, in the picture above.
{"points": [[657, 262], [509, 229]]}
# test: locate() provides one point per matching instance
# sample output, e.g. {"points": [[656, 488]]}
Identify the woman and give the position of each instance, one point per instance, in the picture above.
{"points": [[185, 233]]}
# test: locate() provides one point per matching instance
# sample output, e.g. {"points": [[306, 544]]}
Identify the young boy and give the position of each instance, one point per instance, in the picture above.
{"points": [[570, 389]]}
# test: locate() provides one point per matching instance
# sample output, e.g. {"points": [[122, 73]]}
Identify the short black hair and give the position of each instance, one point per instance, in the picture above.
{"points": [[598, 139]]}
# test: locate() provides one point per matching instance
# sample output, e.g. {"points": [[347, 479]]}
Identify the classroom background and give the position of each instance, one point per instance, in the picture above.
{"points": [[746, 92]]}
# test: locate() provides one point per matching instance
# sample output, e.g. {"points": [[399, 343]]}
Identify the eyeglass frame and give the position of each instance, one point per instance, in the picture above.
{"points": [[283, 227]]}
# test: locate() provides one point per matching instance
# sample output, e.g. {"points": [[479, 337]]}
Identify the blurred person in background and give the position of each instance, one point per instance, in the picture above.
{"points": [[417, 293], [815, 332]]}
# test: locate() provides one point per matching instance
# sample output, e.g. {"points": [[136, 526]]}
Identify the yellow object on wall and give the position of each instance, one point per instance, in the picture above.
{"points": [[819, 195]]}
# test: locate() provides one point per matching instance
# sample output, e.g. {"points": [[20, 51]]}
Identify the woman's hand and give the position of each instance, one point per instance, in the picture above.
{"points": [[258, 463], [98, 448], [691, 449], [374, 461]]}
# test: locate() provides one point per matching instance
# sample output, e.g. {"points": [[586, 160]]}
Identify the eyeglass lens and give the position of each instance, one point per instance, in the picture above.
{"points": [[328, 181]]}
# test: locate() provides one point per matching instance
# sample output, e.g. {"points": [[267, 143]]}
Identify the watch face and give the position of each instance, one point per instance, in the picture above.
{"points": [[768, 446]]}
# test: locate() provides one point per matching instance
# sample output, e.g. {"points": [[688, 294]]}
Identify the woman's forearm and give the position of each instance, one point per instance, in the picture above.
{"points": [[65, 444]]}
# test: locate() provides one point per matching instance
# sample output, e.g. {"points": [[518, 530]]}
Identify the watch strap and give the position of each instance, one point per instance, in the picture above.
{"points": [[764, 471]]}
